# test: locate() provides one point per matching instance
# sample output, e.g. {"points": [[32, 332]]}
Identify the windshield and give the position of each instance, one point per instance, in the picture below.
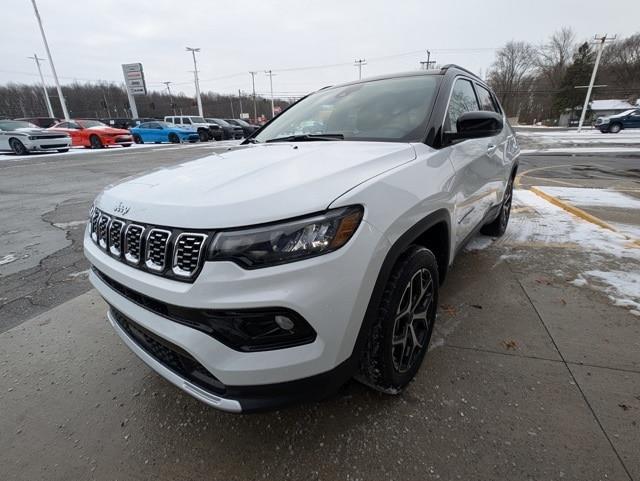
{"points": [[197, 120], [242, 123], [395, 110], [625, 113], [90, 123], [16, 124], [166, 125]]}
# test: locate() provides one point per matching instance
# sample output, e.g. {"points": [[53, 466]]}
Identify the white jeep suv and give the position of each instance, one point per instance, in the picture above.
{"points": [[277, 271]]}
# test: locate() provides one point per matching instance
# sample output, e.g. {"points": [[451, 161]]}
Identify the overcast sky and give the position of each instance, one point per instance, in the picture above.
{"points": [[90, 39]]}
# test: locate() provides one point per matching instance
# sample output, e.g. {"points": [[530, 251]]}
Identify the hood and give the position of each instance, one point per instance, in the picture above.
{"points": [[34, 131], [108, 130], [253, 184]]}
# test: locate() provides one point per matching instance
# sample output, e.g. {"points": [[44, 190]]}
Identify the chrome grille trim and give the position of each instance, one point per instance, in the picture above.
{"points": [[115, 237], [163, 251], [103, 230], [187, 254], [133, 243], [157, 249]]}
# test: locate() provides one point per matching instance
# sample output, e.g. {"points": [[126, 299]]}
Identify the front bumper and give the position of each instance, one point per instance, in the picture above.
{"points": [[119, 140], [38, 145], [331, 292]]}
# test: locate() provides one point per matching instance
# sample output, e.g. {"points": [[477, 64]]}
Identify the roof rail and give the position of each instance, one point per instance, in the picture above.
{"points": [[453, 65]]}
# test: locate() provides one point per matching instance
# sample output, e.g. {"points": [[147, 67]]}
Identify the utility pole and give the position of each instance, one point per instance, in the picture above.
{"points": [[197, 82], [427, 65], [44, 86], [233, 116], [359, 63], [253, 84], [240, 102], [271, 74], [173, 108], [602, 40], [53, 69]]}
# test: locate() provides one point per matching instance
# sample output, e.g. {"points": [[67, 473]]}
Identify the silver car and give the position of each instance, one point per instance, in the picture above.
{"points": [[22, 137]]}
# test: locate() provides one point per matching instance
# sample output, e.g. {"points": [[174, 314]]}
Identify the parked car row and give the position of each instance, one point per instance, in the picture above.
{"points": [[46, 133]]}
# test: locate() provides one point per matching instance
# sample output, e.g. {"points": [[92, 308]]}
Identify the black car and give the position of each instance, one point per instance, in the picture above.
{"points": [[247, 128], [43, 122], [229, 132], [118, 123], [629, 119]]}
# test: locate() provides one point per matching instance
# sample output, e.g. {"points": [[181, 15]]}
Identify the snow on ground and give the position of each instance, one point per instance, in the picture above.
{"points": [[584, 150], [8, 258], [622, 287], [580, 196], [612, 264], [536, 221], [630, 135]]}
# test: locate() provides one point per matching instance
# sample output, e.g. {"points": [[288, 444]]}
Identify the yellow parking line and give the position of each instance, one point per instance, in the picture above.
{"points": [[581, 214]]}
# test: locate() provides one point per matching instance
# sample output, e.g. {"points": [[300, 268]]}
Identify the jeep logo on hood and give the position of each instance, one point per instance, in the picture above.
{"points": [[121, 209]]}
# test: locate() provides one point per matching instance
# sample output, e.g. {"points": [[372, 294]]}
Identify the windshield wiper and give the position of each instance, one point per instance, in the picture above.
{"points": [[307, 138]]}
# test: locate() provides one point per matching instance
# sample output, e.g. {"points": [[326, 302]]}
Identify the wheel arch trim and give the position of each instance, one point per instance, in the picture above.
{"points": [[395, 252]]}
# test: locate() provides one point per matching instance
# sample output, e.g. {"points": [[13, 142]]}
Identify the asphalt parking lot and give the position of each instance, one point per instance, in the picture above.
{"points": [[533, 372]]}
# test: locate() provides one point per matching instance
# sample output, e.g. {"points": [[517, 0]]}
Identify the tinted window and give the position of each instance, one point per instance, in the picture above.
{"points": [[485, 99], [16, 124], [186, 120], [63, 125], [395, 109], [463, 99]]}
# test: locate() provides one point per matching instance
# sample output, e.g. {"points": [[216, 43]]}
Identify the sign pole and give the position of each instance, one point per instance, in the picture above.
{"points": [[132, 105]]}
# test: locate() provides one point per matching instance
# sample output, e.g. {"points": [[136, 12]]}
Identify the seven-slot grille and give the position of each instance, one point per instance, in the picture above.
{"points": [[165, 252]]}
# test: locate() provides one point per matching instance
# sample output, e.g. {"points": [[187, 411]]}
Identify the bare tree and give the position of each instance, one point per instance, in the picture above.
{"points": [[512, 73], [555, 55], [621, 66]]}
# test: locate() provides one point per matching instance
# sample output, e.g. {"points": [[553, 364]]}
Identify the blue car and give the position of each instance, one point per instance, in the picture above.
{"points": [[162, 132]]}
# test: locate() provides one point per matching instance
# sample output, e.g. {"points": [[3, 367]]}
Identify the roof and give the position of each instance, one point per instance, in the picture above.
{"points": [[612, 104]]}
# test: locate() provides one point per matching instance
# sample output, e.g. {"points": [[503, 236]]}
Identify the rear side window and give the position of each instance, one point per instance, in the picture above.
{"points": [[485, 99], [463, 99]]}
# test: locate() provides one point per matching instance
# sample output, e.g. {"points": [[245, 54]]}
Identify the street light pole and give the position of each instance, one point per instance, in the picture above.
{"points": [[195, 74], [602, 41], [44, 86], [53, 69], [255, 108], [271, 74], [170, 96]]}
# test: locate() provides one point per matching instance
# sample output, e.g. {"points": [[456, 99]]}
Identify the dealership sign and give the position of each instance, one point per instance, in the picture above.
{"points": [[134, 78]]}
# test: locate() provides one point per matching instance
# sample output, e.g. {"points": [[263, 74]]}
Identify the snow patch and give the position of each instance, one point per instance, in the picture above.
{"points": [[592, 197], [478, 243], [544, 223], [622, 287], [7, 259]]}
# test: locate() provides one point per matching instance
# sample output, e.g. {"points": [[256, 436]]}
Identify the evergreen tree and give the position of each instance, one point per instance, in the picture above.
{"points": [[578, 73]]}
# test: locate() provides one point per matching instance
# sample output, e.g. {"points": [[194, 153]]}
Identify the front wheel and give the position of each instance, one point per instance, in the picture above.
{"points": [[173, 138], [95, 142], [498, 227], [400, 334], [615, 128], [18, 147], [204, 136], [137, 139]]}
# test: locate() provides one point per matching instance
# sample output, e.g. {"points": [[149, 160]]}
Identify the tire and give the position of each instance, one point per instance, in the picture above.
{"points": [[400, 335], [615, 128], [95, 142], [498, 227], [204, 136], [126, 145], [137, 139], [173, 138], [62, 151], [18, 147]]}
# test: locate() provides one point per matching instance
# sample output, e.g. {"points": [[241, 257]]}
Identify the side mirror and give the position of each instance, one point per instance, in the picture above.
{"points": [[475, 125]]}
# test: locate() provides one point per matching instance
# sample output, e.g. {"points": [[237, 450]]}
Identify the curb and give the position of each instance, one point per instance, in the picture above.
{"points": [[580, 213]]}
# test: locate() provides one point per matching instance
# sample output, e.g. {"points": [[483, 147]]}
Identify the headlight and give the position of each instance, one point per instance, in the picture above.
{"points": [[287, 241]]}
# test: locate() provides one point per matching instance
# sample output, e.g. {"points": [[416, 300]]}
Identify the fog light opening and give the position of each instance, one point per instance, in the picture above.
{"points": [[284, 323]]}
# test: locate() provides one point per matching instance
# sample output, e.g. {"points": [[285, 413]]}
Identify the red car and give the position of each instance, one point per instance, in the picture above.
{"points": [[93, 134]]}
